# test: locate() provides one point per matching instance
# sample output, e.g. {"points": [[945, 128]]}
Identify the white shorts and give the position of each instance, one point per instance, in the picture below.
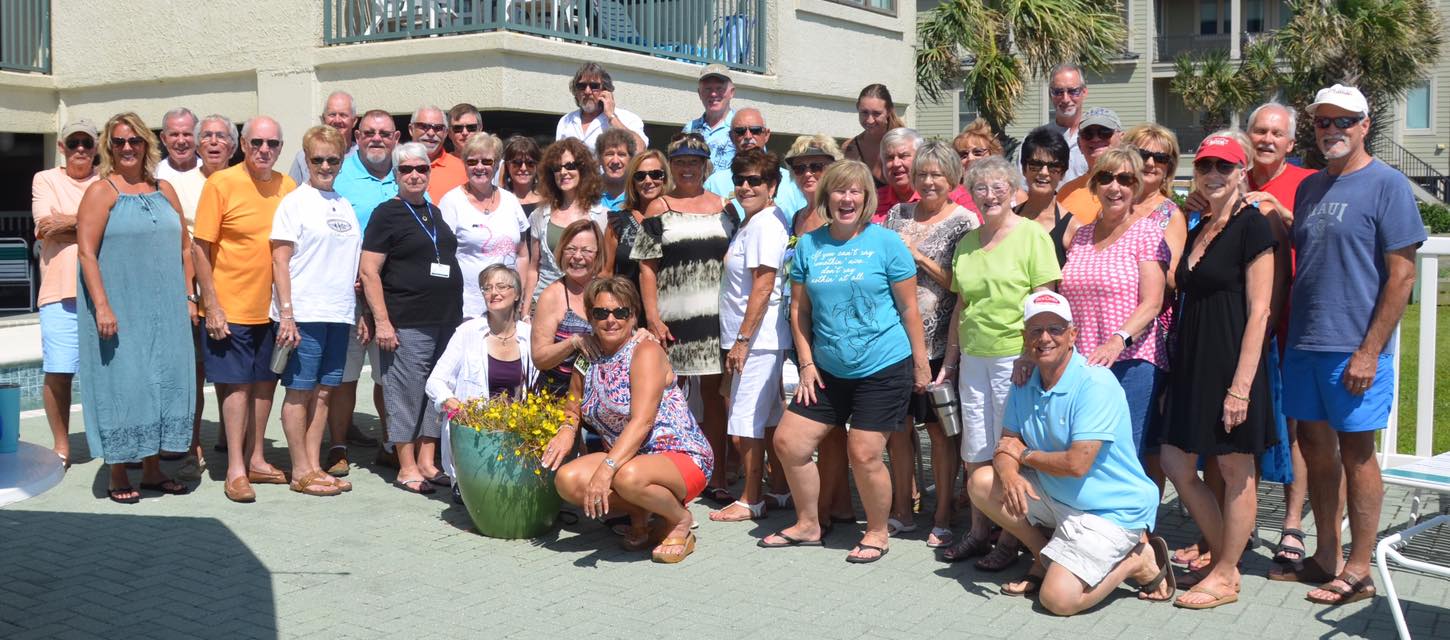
{"points": [[1085, 544], [982, 386], [352, 370], [755, 395]]}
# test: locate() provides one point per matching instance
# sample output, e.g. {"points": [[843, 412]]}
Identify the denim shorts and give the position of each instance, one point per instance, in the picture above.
{"points": [[243, 357], [1318, 394], [59, 344], [1143, 383], [319, 357]]}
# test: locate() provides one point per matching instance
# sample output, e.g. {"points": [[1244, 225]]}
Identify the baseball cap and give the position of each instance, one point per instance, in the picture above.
{"points": [[812, 150], [1102, 117], [716, 71], [79, 126], [1046, 302], [1347, 98], [1222, 147]]}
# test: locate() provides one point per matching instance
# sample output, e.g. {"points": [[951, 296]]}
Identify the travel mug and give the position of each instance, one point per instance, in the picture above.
{"points": [[9, 417], [943, 397], [279, 358]]}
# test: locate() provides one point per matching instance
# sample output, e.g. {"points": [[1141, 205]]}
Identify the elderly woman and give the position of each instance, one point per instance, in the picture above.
{"points": [[807, 159], [898, 155], [931, 228], [571, 188], [414, 287], [876, 112], [648, 178], [315, 250], [681, 251], [1114, 279], [489, 223], [1045, 157], [1226, 291], [561, 325], [976, 142], [994, 268], [134, 335], [657, 459], [754, 330], [859, 338], [520, 171]]}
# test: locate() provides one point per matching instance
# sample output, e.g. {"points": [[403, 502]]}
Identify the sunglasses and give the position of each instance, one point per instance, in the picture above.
{"points": [[1054, 330], [976, 152], [134, 141], [1220, 165], [620, 313], [740, 131], [811, 167], [474, 162], [271, 143], [572, 165], [330, 161], [523, 162], [377, 133], [1155, 156], [1057, 92], [405, 169], [460, 128], [1340, 122], [425, 127], [657, 175], [80, 143], [502, 287], [1125, 179], [1035, 166], [753, 181], [588, 86], [1096, 133]]}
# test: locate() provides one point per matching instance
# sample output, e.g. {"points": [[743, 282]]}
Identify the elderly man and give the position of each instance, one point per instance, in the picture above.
{"points": [[55, 197], [429, 126], [1100, 129], [338, 113], [1355, 234], [181, 165], [614, 149], [748, 131], [216, 138], [1067, 90], [716, 90], [1066, 462], [233, 224], [464, 121], [593, 91]]}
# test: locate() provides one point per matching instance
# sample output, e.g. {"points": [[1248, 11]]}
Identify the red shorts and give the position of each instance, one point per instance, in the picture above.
{"points": [[694, 477]]}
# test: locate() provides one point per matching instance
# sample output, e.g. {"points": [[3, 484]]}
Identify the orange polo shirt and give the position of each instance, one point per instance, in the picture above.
{"points": [[444, 174], [1075, 196], [235, 215]]}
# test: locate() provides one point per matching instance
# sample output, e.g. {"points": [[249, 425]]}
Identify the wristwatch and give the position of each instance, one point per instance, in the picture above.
{"points": [[1022, 457], [1127, 337], [193, 298], [613, 466], [742, 338]]}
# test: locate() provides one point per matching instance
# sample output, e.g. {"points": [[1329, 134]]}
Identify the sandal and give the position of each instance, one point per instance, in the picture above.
{"points": [[1288, 555], [778, 500], [940, 537], [642, 537], [1219, 599], [1165, 572], [966, 547], [344, 485], [1000, 558], [896, 527], [1359, 589], [789, 541], [718, 495], [1033, 584], [1308, 572], [880, 553], [167, 486], [423, 487], [115, 495], [313, 484], [753, 512], [688, 542]]}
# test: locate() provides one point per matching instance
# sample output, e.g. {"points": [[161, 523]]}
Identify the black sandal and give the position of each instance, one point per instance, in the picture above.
{"points": [[999, 559], [966, 547], [168, 486], [718, 495], [1290, 555], [115, 495], [1034, 584]]}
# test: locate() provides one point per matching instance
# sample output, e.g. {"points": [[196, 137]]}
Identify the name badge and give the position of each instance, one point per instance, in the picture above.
{"points": [[581, 364], [439, 270]]}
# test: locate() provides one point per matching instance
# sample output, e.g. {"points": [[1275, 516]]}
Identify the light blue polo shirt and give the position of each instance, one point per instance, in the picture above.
{"points": [[612, 203], [722, 149], [788, 196], [363, 191], [1087, 403]]}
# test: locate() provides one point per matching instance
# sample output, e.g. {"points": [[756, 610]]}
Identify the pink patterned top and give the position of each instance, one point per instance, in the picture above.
{"points": [[606, 407], [1102, 287]]}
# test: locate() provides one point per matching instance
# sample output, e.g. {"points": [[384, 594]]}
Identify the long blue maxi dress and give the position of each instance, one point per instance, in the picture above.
{"points": [[138, 392]]}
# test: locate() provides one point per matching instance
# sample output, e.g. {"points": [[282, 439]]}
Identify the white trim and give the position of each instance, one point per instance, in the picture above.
{"points": [[1404, 111]]}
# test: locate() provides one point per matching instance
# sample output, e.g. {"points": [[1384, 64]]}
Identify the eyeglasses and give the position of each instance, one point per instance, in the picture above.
{"points": [[427, 128], [567, 166], [619, 313], [1096, 133], [657, 175], [1340, 122], [460, 128], [271, 143], [975, 152], [1054, 330], [502, 287], [812, 167], [740, 131], [753, 181], [583, 253], [377, 133], [1156, 156], [331, 161], [1036, 166], [1125, 179], [1220, 165], [523, 162], [215, 135], [134, 141], [405, 169], [474, 162], [80, 143], [588, 86], [1057, 92], [998, 189]]}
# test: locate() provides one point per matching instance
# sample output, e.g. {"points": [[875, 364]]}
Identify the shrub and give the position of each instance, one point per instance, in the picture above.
{"points": [[1436, 217]]}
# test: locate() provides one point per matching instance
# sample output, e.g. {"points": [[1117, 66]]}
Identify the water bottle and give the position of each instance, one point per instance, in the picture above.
{"points": [[943, 397]]}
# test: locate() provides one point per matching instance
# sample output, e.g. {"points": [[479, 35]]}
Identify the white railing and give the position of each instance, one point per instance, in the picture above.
{"points": [[1428, 261]]}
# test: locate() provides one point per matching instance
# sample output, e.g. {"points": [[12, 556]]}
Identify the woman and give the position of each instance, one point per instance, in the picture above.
{"points": [[681, 252], [753, 330], [571, 191], [1158, 148], [994, 268], [858, 335], [1114, 279], [489, 222], [1226, 293], [898, 155], [521, 162], [877, 114], [414, 287], [657, 459], [931, 228], [315, 249], [647, 178], [808, 158], [136, 354], [560, 326], [1045, 157], [976, 142]]}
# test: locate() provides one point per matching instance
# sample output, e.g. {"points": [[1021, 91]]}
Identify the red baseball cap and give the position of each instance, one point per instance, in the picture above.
{"points": [[1223, 148]]}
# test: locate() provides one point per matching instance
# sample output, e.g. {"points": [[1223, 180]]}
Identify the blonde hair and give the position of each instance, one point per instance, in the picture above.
{"points": [[843, 174], [481, 142], [139, 128], [980, 130], [631, 190], [820, 141], [320, 135], [1149, 132], [1248, 147], [501, 269], [1112, 160]]}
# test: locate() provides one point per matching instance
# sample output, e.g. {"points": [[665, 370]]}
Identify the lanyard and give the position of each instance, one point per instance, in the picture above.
{"points": [[432, 233]]}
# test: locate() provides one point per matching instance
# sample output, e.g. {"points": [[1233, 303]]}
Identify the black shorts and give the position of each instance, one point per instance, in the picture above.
{"points": [[920, 406], [877, 402]]}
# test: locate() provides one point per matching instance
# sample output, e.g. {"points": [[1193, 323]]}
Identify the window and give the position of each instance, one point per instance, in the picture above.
{"points": [[1207, 17], [880, 6], [1253, 16], [1417, 107], [966, 110]]}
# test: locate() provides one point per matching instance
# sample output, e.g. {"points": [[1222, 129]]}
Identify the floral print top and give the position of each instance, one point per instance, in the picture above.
{"points": [[936, 241], [606, 407]]}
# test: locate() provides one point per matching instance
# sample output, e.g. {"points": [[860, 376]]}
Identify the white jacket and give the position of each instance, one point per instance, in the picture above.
{"points": [[462, 372]]}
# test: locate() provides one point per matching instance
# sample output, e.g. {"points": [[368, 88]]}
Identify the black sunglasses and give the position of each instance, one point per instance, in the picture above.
{"points": [[473, 162], [619, 313], [657, 175], [272, 143], [1125, 179], [460, 128], [405, 169], [120, 143], [1034, 166], [1057, 92], [523, 162], [80, 143], [813, 167], [1096, 133], [592, 86], [1156, 156], [753, 181], [740, 131], [1340, 122], [572, 165], [331, 161], [1214, 164]]}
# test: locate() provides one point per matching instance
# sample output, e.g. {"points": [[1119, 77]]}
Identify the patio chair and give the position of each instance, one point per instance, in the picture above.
{"points": [[15, 269], [616, 24], [1431, 474]]}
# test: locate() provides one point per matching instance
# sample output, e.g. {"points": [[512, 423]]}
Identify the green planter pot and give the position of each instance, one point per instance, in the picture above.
{"points": [[504, 497]]}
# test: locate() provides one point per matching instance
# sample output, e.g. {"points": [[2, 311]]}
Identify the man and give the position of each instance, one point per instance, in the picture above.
{"points": [[338, 113], [1356, 231], [748, 131], [716, 90], [614, 148], [593, 91], [1100, 130], [429, 126], [233, 224], [1066, 461], [217, 141], [181, 166], [1067, 91], [464, 121]]}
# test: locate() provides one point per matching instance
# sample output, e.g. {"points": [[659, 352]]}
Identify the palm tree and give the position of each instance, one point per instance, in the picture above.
{"points": [[993, 47], [1213, 86]]}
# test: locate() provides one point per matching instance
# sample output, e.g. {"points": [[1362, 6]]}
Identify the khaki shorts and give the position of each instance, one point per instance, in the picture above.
{"points": [[352, 370], [1087, 545]]}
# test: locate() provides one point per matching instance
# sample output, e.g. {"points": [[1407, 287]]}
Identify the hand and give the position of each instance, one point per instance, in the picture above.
{"points": [[287, 335], [216, 322], [948, 369], [1196, 202], [559, 448], [1107, 353], [921, 376], [586, 345], [1235, 411], [606, 104], [805, 392], [191, 313], [596, 493], [364, 331], [452, 405], [1017, 493], [1022, 371], [386, 337], [1011, 447], [1268, 204], [735, 360], [662, 332], [105, 322], [643, 334], [1359, 374]]}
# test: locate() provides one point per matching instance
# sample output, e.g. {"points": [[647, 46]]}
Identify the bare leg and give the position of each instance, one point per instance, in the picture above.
{"points": [[835, 495], [119, 480], [317, 423], [873, 483], [56, 396], [197, 450], [379, 405], [714, 426], [1295, 491], [294, 427], [1365, 490], [1064, 594], [776, 472], [1326, 491], [986, 493], [339, 410], [1182, 469], [1239, 510], [944, 458], [236, 404], [981, 522], [427, 454], [261, 401], [408, 470], [795, 440], [752, 459], [903, 471]]}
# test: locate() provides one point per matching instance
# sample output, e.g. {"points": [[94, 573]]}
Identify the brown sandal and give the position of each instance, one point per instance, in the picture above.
{"points": [[1359, 589], [688, 542], [1000, 558], [313, 484]]}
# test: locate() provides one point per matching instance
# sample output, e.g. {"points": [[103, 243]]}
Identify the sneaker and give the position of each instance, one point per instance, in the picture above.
{"points": [[386, 458], [357, 438], [337, 464]]}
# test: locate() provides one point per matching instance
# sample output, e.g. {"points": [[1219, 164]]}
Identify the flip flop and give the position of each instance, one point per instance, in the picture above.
{"points": [[1308, 572], [880, 553], [115, 493], [1034, 584], [1359, 589], [441, 480], [1165, 572], [752, 512], [1219, 599], [424, 488], [168, 486], [789, 541]]}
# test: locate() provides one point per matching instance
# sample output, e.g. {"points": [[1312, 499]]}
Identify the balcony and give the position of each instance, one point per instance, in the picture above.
{"points": [[1170, 46], [25, 36], [729, 32]]}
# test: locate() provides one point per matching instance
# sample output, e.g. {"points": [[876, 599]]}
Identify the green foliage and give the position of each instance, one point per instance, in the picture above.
{"points": [[1212, 85], [1436, 217]]}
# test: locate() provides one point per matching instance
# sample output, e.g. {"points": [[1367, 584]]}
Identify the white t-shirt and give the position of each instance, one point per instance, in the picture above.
{"points": [[327, 244], [188, 188], [484, 239], [761, 242], [573, 125]]}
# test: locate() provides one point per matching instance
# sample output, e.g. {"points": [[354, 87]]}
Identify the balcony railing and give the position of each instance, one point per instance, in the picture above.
{"points": [[25, 35], [1170, 46], [1416, 169], [729, 32]]}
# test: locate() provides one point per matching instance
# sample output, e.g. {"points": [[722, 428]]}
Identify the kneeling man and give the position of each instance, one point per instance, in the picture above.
{"points": [[1066, 462]]}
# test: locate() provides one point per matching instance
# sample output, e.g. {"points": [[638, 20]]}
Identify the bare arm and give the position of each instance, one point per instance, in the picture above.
{"points": [[1151, 285], [952, 358], [1176, 235], [91, 219], [282, 284], [188, 265], [547, 353], [649, 295], [762, 285], [216, 319], [904, 293], [370, 269], [611, 247], [800, 328], [1012, 453], [529, 274], [1360, 372], [648, 375], [925, 264]]}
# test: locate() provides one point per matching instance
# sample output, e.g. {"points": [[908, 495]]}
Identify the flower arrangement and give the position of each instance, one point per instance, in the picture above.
{"points": [[532, 421]]}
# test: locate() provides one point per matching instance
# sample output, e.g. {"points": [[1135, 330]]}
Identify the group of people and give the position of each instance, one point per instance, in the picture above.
{"points": [[715, 312]]}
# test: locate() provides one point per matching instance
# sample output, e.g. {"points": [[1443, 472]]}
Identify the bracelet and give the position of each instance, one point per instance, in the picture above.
{"points": [[568, 426], [803, 367], [1235, 395]]}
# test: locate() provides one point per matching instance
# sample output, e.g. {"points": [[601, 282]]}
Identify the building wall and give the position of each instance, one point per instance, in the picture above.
{"points": [[1431, 144]]}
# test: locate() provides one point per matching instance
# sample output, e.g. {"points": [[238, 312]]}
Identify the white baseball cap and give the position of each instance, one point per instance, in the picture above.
{"points": [[1046, 302], [1347, 98]]}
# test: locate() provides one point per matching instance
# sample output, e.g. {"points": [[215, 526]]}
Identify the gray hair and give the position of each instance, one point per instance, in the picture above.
{"points": [[230, 128], [429, 107], [897, 137], [1068, 66], [990, 167], [351, 108], [941, 154], [410, 151], [247, 128], [1273, 104], [177, 113]]}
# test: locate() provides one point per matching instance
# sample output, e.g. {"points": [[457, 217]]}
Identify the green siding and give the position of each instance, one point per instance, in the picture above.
{"points": [[937, 119]]}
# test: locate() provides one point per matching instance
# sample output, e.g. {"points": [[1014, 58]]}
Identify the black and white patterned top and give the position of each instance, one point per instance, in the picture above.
{"points": [[936, 241], [691, 250]]}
